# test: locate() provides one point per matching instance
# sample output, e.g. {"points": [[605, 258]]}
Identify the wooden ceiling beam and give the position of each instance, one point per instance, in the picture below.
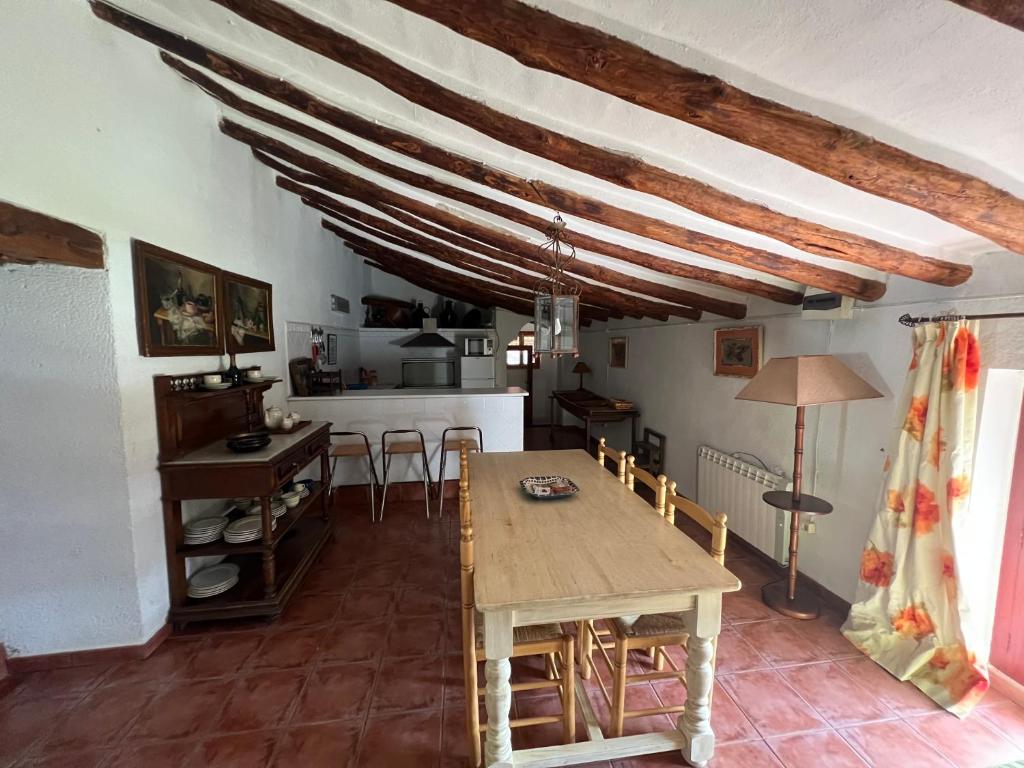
{"points": [[544, 41], [1009, 12], [619, 168], [625, 171], [29, 237]]}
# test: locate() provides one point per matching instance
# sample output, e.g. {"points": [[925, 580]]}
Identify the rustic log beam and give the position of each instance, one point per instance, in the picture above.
{"points": [[620, 169], [598, 297], [28, 237], [1009, 12], [499, 282], [627, 171], [906, 262], [544, 41]]}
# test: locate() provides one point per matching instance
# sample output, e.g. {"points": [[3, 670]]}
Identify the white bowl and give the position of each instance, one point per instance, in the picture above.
{"points": [[291, 499]]}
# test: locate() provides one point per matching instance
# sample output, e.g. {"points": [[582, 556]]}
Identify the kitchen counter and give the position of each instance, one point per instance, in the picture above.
{"points": [[412, 393]]}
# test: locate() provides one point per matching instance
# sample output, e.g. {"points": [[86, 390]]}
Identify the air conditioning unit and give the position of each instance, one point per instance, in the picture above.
{"points": [[823, 305]]}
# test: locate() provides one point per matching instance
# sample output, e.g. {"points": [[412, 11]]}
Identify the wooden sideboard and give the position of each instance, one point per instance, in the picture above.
{"points": [[592, 409], [196, 464]]}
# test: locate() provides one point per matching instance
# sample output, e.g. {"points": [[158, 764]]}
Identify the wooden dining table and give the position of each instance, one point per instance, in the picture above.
{"points": [[603, 552]]}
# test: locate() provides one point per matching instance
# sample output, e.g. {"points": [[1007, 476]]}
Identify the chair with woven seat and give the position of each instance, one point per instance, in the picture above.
{"points": [[407, 448], [454, 444], [605, 451], [546, 640], [655, 630], [355, 450]]}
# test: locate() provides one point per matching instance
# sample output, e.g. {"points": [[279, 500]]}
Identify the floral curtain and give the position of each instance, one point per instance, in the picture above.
{"points": [[909, 615]]}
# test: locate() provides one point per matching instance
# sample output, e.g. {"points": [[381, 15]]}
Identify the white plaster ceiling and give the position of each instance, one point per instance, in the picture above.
{"points": [[925, 75]]}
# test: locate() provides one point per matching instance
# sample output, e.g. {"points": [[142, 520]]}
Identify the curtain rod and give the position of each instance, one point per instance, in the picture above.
{"points": [[909, 321]]}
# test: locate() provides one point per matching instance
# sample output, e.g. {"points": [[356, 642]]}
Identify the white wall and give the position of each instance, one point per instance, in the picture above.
{"points": [[670, 378], [97, 131]]}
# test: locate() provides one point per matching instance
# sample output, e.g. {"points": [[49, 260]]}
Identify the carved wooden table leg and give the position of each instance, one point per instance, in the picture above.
{"points": [[498, 697], [695, 722]]}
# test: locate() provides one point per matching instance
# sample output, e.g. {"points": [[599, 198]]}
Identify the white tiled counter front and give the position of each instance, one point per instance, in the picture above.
{"points": [[498, 412]]}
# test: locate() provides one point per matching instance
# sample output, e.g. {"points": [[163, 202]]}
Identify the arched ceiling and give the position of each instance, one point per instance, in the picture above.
{"points": [[928, 77]]}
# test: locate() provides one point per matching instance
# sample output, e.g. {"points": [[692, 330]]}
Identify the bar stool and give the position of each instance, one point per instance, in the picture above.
{"points": [[455, 445], [408, 447], [355, 451]]}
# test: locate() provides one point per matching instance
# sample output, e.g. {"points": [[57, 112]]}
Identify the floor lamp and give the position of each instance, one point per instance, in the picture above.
{"points": [[801, 381]]}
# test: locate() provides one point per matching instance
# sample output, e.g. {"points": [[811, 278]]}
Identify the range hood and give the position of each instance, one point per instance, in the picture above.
{"points": [[429, 337]]}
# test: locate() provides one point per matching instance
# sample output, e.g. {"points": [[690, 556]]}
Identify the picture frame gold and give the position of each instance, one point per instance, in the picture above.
{"points": [[738, 351]]}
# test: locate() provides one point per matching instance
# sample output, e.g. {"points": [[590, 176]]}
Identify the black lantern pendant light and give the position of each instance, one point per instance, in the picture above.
{"points": [[556, 307]]}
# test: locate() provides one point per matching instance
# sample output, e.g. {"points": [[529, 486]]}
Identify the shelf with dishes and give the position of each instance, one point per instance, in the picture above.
{"points": [[226, 533]]}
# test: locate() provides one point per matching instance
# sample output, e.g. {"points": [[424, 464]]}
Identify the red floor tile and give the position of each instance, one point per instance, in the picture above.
{"points": [[737, 655], [745, 754], [367, 604], [238, 750], [261, 700], [814, 750], [770, 704], [329, 744], [355, 641], [727, 721], [744, 606], [328, 580], [223, 655], [893, 742], [90, 758], [184, 709], [311, 610], [164, 665], [380, 575], [420, 601], [1008, 718], [336, 692], [419, 636], [780, 643], [967, 743], [102, 718], [825, 634], [834, 695], [901, 697], [409, 684], [69, 681], [287, 648], [163, 754], [410, 740]]}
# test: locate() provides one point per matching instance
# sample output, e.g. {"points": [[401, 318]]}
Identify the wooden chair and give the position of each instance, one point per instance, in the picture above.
{"points": [[619, 457], [546, 639], [657, 484], [656, 630], [454, 444]]}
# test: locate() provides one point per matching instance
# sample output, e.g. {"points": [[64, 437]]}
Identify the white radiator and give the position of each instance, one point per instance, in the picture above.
{"points": [[727, 484]]}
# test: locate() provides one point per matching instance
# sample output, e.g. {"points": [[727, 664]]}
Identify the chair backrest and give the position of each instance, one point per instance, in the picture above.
{"points": [[619, 457], [713, 524], [657, 484], [466, 561]]}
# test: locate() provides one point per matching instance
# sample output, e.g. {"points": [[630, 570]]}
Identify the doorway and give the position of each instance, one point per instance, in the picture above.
{"points": [[520, 364]]}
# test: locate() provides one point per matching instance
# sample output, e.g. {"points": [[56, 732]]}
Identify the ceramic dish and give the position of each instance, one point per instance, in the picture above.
{"points": [[222, 385], [291, 499], [547, 487]]}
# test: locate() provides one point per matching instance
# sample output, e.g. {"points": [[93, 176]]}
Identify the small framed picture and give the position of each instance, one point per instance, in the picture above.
{"points": [[618, 351], [177, 303], [248, 314], [738, 351], [332, 349]]}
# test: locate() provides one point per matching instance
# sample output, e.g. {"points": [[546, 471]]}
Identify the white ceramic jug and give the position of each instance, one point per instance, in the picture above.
{"points": [[272, 417]]}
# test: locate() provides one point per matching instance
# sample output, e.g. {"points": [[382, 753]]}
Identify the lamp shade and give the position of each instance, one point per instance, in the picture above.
{"points": [[806, 380], [581, 368]]}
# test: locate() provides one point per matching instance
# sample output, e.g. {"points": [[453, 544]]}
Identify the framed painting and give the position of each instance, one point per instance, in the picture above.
{"points": [[176, 303], [738, 351], [618, 351], [248, 314]]}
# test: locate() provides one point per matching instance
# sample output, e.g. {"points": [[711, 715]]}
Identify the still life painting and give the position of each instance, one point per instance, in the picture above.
{"points": [[176, 301], [248, 314], [738, 351]]}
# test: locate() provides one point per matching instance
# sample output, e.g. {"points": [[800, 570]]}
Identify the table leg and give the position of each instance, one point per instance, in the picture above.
{"points": [[695, 722], [498, 696]]}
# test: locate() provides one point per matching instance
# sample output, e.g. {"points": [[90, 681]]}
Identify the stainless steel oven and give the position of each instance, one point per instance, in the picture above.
{"points": [[427, 372], [479, 345]]}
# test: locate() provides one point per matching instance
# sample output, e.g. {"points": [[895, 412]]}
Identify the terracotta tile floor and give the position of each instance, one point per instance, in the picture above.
{"points": [[364, 670]]}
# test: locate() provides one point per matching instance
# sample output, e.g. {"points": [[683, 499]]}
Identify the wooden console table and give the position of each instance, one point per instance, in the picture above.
{"points": [[196, 464], [591, 408]]}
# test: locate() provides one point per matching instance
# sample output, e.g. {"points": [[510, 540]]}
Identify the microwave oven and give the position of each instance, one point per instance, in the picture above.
{"points": [[479, 345]]}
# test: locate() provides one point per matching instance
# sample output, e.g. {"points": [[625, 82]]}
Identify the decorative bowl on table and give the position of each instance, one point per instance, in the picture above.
{"points": [[547, 487], [247, 442]]}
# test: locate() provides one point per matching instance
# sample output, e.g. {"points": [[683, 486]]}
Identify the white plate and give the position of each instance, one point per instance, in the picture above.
{"points": [[204, 524], [213, 577], [244, 526], [223, 588], [222, 385]]}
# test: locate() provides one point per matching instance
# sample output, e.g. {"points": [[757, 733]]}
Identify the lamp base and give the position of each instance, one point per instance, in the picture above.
{"points": [[802, 606]]}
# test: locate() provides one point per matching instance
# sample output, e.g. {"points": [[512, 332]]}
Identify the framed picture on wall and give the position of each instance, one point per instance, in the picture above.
{"points": [[177, 301], [618, 351], [332, 349], [248, 314], [738, 351]]}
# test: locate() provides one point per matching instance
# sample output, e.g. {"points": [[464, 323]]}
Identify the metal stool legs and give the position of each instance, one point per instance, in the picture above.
{"points": [[444, 457], [389, 453], [374, 482]]}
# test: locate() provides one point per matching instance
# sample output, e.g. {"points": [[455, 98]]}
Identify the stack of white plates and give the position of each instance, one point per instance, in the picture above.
{"points": [[204, 530], [213, 580], [278, 508], [248, 528]]}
